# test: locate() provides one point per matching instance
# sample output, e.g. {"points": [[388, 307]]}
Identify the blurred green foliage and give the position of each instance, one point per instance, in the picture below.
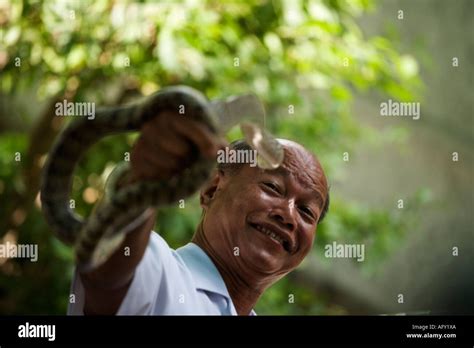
{"points": [[309, 55]]}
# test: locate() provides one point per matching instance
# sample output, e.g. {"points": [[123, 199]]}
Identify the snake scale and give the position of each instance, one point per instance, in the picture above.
{"points": [[95, 238]]}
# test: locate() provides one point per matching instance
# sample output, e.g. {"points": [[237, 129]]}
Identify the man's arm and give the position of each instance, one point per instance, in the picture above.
{"points": [[106, 287], [166, 146]]}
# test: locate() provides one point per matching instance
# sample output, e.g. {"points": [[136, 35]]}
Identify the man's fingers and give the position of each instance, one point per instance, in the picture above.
{"points": [[169, 143], [160, 135], [199, 134], [149, 169]]}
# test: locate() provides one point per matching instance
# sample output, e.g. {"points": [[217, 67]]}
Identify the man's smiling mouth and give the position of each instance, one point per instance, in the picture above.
{"points": [[274, 235]]}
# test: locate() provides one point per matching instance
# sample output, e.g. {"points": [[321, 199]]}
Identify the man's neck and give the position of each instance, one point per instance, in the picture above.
{"points": [[244, 293]]}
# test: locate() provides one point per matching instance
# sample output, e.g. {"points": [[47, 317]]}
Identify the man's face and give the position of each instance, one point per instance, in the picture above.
{"points": [[264, 222]]}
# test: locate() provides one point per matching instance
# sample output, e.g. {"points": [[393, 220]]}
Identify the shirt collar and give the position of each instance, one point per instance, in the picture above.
{"points": [[205, 273]]}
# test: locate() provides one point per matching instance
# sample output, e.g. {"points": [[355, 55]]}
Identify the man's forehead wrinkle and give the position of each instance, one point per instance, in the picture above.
{"points": [[301, 164], [304, 180], [306, 169]]}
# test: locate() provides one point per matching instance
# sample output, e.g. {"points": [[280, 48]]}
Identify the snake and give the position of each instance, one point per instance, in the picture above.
{"points": [[96, 237]]}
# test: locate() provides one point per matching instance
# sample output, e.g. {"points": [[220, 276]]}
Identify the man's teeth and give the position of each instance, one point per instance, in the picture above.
{"points": [[270, 233]]}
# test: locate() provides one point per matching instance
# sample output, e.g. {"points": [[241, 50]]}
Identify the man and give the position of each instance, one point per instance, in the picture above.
{"points": [[257, 226]]}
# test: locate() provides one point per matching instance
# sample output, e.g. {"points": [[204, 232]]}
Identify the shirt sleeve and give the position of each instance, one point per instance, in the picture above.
{"points": [[142, 293]]}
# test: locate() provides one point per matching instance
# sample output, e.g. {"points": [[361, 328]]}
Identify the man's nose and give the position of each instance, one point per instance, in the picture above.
{"points": [[285, 214]]}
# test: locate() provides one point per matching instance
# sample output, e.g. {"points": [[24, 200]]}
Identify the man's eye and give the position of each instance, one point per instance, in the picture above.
{"points": [[307, 211], [272, 186]]}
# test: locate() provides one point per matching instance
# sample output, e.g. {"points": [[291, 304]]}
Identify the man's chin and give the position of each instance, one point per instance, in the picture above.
{"points": [[262, 261]]}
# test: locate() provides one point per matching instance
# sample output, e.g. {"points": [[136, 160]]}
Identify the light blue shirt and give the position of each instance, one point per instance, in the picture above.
{"points": [[170, 282]]}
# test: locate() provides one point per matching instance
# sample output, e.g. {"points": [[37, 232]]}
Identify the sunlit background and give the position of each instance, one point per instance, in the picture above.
{"points": [[322, 69]]}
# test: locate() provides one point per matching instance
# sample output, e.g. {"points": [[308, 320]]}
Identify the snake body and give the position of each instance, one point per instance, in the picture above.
{"points": [[96, 237], [130, 201]]}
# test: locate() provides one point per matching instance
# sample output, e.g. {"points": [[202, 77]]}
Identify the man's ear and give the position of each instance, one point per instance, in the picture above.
{"points": [[210, 188]]}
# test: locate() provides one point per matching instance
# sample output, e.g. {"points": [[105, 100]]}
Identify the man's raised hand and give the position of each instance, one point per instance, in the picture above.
{"points": [[170, 143]]}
